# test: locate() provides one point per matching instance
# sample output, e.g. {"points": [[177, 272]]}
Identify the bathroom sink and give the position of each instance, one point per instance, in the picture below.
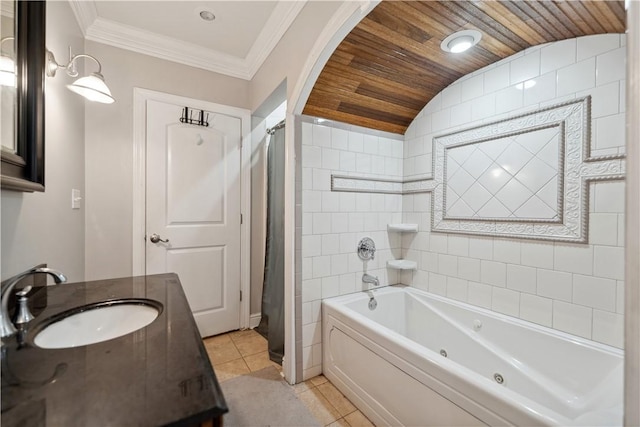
{"points": [[97, 322]]}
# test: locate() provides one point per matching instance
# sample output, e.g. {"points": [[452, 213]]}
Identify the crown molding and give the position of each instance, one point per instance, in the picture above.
{"points": [[86, 13], [134, 39], [123, 36], [277, 25]]}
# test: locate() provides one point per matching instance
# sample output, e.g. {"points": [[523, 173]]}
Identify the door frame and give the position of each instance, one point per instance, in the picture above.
{"points": [[140, 98]]}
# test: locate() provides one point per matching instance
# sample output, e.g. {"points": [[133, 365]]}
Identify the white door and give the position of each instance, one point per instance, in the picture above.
{"points": [[193, 201]]}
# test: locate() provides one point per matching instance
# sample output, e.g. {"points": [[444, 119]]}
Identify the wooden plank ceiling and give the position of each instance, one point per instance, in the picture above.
{"points": [[391, 65]]}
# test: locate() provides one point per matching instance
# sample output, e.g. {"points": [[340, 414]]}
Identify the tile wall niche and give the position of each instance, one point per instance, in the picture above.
{"points": [[334, 222], [575, 288]]}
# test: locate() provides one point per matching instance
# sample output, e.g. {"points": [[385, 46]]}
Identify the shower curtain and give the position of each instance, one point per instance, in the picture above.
{"points": [[272, 322]]}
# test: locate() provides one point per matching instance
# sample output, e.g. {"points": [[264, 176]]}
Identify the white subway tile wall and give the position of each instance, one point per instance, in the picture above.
{"points": [[333, 222], [574, 288], [570, 287]]}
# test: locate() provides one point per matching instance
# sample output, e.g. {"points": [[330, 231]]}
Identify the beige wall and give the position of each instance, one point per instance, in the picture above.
{"points": [[284, 64], [41, 227], [109, 149], [34, 225], [288, 58]]}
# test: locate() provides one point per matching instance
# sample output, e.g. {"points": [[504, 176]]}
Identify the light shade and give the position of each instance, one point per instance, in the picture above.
{"points": [[93, 88], [7, 71]]}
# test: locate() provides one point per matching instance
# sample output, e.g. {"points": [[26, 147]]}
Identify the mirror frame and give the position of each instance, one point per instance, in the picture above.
{"points": [[24, 170]]}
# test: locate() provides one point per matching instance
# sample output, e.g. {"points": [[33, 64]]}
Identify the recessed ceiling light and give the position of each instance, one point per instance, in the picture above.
{"points": [[461, 41], [460, 44], [207, 15]]}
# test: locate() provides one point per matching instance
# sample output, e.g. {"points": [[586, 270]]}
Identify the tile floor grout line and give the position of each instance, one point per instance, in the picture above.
{"points": [[315, 384]]}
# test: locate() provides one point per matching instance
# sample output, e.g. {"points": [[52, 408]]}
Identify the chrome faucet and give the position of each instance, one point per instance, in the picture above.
{"points": [[368, 278], [6, 326], [366, 249]]}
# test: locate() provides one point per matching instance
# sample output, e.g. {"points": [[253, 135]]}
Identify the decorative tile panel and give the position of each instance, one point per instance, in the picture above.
{"points": [[524, 177], [362, 184], [512, 177], [365, 184]]}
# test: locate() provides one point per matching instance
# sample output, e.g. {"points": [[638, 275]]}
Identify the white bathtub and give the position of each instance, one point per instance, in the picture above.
{"points": [[389, 362]]}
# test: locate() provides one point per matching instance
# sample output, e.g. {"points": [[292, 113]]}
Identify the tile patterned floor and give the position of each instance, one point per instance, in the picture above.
{"points": [[242, 352]]}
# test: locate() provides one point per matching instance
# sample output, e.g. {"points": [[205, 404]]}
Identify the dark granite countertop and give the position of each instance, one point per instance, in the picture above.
{"points": [[158, 375]]}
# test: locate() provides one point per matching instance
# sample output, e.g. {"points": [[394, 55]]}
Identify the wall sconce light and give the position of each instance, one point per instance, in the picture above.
{"points": [[460, 41], [91, 86], [7, 67]]}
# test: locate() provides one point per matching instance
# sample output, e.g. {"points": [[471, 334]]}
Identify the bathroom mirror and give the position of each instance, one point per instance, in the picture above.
{"points": [[22, 126], [7, 75]]}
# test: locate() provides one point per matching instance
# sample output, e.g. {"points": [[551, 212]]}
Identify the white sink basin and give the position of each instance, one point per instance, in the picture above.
{"points": [[97, 322]]}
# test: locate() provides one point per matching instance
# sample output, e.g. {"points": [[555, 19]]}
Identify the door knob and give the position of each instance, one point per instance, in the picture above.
{"points": [[155, 238]]}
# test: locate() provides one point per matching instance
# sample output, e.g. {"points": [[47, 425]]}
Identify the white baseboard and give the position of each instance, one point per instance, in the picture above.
{"points": [[254, 320]]}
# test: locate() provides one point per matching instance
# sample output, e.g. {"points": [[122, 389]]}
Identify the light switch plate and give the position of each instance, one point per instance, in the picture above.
{"points": [[75, 199]]}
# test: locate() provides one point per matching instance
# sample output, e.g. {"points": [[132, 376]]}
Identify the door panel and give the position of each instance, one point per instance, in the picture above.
{"points": [[196, 267], [193, 200], [195, 175]]}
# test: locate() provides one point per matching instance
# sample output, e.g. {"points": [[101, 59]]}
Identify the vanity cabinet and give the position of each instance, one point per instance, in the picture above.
{"points": [[157, 375]]}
